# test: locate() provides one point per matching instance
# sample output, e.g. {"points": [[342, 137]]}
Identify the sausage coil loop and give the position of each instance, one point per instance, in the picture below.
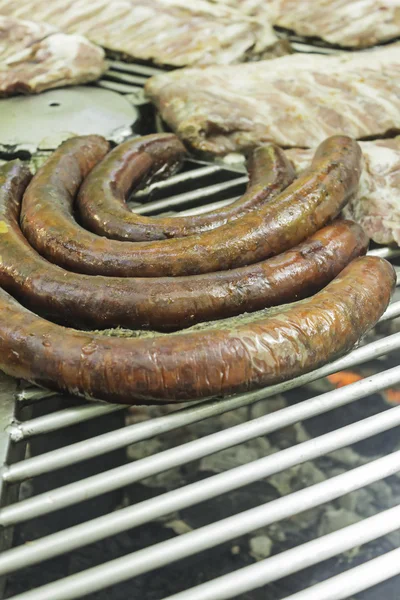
{"points": [[236, 300]]}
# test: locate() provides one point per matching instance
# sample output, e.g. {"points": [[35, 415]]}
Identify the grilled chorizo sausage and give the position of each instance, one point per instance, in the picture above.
{"points": [[101, 199], [305, 206], [165, 303], [234, 355]]}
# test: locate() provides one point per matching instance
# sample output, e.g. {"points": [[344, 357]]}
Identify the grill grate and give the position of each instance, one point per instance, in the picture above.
{"points": [[128, 79], [199, 187], [155, 556]]}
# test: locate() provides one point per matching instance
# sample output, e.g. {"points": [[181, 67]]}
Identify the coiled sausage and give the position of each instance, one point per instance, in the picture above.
{"points": [[315, 198], [101, 199], [234, 355], [164, 303]]}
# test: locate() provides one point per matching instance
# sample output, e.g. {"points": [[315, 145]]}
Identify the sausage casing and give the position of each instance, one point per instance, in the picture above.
{"points": [[101, 199], [234, 355], [315, 198], [165, 303]]}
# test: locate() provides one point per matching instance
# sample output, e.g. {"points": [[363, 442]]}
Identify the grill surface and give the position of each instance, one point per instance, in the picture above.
{"points": [[128, 79], [38, 414]]}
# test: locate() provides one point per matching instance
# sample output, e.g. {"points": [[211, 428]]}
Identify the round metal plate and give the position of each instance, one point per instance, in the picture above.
{"points": [[42, 122]]}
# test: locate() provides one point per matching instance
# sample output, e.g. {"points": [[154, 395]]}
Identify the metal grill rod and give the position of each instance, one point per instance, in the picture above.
{"points": [[354, 580], [159, 555], [196, 174], [62, 418], [116, 86], [195, 493], [127, 474], [298, 558], [31, 394], [134, 68], [385, 252], [198, 194], [207, 409], [108, 442], [205, 208], [311, 49], [126, 77], [392, 310]]}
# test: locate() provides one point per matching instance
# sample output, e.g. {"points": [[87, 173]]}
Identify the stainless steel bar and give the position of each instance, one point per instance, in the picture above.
{"points": [[136, 96], [134, 68], [354, 580], [309, 49], [143, 512], [179, 199], [126, 77], [315, 43], [135, 433], [385, 252], [237, 165], [179, 178], [121, 476], [122, 88], [161, 554], [8, 389], [34, 394], [9, 452], [205, 208], [392, 311], [62, 418], [296, 559]]}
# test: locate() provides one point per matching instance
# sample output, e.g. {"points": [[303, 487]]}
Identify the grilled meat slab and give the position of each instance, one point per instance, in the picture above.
{"points": [[36, 57], [170, 32], [294, 101], [351, 23], [376, 206], [347, 23]]}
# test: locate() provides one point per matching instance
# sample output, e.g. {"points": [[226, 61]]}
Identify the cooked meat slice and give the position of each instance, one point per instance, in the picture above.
{"points": [[17, 35], [171, 32], [261, 10], [376, 207], [347, 23], [355, 23], [34, 58], [296, 100], [249, 7]]}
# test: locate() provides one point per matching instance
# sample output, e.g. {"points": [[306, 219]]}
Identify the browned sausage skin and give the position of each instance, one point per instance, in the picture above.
{"points": [[234, 355], [315, 198], [165, 303], [101, 200]]}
